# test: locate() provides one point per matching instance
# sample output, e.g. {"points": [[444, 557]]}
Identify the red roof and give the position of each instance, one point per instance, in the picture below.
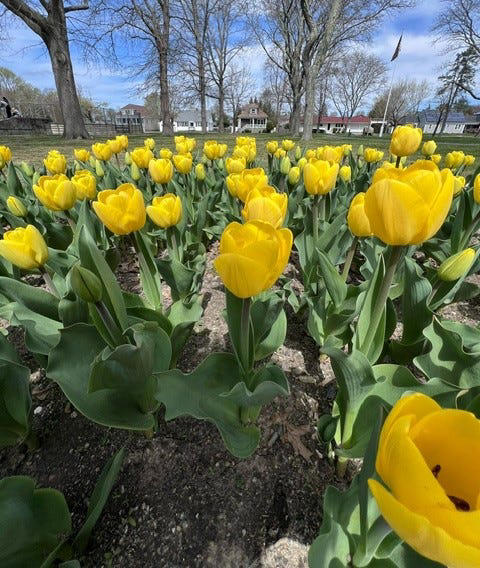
{"points": [[139, 108]]}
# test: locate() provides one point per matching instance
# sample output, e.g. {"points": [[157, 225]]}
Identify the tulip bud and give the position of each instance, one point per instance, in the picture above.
{"points": [[36, 177], [128, 159], [294, 175], [301, 163], [27, 169], [476, 189], [345, 173], [360, 150], [456, 266], [99, 168], [469, 160], [458, 184], [298, 153], [429, 148], [85, 284], [285, 165], [92, 161], [200, 172], [436, 158], [2, 162], [135, 172], [16, 206]]}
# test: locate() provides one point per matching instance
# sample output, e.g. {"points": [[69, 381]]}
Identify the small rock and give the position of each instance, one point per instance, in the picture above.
{"points": [[285, 553], [38, 410]]}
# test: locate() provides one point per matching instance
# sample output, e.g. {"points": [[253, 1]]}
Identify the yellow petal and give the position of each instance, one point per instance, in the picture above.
{"points": [[243, 276]]}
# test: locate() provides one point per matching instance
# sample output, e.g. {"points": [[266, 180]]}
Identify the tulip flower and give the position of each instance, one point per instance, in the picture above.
{"points": [[81, 154], [239, 185], [429, 148], [149, 143], [55, 162], [469, 160], [320, 177], [16, 206], [436, 158], [272, 147], [184, 145], [456, 265], [127, 158], [427, 459], [235, 165], [345, 173], [476, 189], [405, 140], [294, 175], [347, 148], [121, 210], [102, 151], [212, 149], [123, 139], [407, 207], [280, 154], [458, 184], [298, 153], [266, 205], [310, 154], [27, 169], [165, 211], [333, 154], [135, 172], [285, 165], [301, 163], [252, 257], [141, 157], [161, 170], [5, 154], [183, 163], [85, 184], [454, 160], [100, 172], [372, 155], [115, 145], [24, 247], [357, 220], [165, 153], [200, 173], [288, 145], [55, 192]]}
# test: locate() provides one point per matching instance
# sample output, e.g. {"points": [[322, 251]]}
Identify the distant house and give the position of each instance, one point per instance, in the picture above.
{"points": [[131, 117], [428, 120], [189, 121], [252, 118], [472, 125], [357, 125]]}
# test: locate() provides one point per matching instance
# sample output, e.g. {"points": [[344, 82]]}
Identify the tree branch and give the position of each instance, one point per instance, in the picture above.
{"points": [[33, 19], [76, 8]]}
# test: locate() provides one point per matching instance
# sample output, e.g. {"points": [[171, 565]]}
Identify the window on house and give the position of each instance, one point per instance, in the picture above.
{"points": [[253, 111]]}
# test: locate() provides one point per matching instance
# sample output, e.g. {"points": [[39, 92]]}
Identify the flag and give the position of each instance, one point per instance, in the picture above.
{"points": [[397, 49]]}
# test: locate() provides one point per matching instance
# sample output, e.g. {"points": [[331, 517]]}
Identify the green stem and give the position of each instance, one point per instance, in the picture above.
{"points": [[349, 258], [380, 301], [173, 241], [111, 327], [147, 276], [49, 282], [315, 214], [397, 163], [70, 220], [244, 346]]}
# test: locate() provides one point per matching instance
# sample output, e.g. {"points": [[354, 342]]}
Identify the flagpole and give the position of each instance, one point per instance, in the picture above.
{"points": [[382, 127]]}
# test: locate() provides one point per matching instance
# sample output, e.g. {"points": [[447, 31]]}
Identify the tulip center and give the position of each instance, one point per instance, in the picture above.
{"points": [[460, 504]]}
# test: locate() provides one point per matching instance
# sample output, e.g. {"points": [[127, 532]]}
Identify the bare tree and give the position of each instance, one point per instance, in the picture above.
{"points": [[225, 39], [237, 86], [276, 81], [458, 24], [356, 76], [48, 20]]}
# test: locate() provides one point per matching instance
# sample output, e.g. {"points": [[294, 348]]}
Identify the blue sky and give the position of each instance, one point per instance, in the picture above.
{"points": [[419, 58]]}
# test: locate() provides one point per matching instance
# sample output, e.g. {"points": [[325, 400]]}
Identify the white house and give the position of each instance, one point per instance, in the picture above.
{"points": [[189, 121], [332, 124], [252, 118], [428, 120]]}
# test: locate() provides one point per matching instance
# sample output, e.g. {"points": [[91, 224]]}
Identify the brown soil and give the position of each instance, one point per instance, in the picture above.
{"points": [[181, 499]]}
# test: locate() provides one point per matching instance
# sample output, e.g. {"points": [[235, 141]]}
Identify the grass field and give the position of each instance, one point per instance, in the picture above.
{"points": [[33, 148]]}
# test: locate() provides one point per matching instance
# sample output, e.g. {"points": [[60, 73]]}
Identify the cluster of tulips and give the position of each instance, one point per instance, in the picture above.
{"points": [[369, 235]]}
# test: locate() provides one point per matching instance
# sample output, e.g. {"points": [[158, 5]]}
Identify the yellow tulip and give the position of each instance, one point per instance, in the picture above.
{"points": [[357, 220], [102, 151], [55, 162], [16, 206], [235, 165], [429, 147], [149, 143], [332, 154], [405, 140], [161, 170], [476, 189], [436, 158], [2, 162], [212, 149], [428, 459], [99, 168], [458, 184], [408, 206], [345, 173], [272, 147], [288, 145], [456, 265], [121, 210], [455, 159], [85, 184], [184, 145], [310, 154], [252, 257], [347, 148], [115, 145], [294, 175], [280, 153], [298, 153], [24, 247], [372, 155], [128, 159], [55, 192], [320, 177], [135, 172], [266, 205], [81, 154], [5, 154], [141, 156], [123, 139], [469, 160], [165, 211], [285, 165], [200, 173], [239, 185], [301, 163], [165, 153], [183, 163]]}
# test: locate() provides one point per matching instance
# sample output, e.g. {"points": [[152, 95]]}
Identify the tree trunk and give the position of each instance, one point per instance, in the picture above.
{"points": [[309, 104], [162, 47], [221, 106]]}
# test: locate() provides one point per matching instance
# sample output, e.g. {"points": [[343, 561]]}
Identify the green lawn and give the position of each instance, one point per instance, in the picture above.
{"points": [[33, 148]]}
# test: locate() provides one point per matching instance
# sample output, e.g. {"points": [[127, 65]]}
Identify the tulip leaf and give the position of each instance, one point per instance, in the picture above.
{"points": [[274, 338], [447, 359], [269, 324], [33, 298], [14, 185], [201, 394], [182, 317], [149, 275], [15, 402], [69, 365], [33, 522], [336, 286], [98, 499], [179, 277], [92, 258]]}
